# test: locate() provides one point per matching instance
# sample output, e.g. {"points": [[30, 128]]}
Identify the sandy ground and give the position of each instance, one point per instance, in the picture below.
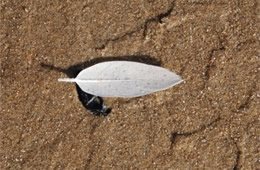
{"points": [[211, 121]]}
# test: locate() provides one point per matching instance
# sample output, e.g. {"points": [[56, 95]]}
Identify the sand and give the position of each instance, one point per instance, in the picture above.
{"points": [[210, 121]]}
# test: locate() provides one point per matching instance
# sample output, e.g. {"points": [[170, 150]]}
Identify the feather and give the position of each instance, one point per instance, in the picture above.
{"points": [[124, 79]]}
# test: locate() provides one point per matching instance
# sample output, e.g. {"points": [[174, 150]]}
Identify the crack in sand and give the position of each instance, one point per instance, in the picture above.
{"points": [[157, 18], [144, 26], [245, 105], [175, 135], [103, 46], [211, 60], [92, 150], [238, 154]]}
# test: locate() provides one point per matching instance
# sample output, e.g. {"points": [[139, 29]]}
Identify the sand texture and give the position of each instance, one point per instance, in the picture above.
{"points": [[210, 121]]}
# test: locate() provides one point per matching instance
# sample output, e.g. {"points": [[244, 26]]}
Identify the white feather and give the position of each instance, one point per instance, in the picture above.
{"points": [[124, 79]]}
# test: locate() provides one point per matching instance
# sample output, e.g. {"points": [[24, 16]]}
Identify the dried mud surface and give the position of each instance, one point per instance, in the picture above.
{"points": [[211, 121]]}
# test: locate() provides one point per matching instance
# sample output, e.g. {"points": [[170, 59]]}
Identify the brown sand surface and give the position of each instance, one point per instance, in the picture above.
{"points": [[211, 121]]}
